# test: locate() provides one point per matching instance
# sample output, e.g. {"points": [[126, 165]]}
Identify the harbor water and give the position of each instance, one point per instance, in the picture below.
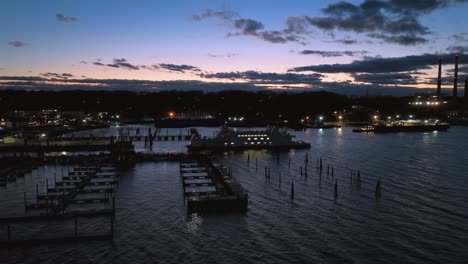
{"points": [[421, 216]]}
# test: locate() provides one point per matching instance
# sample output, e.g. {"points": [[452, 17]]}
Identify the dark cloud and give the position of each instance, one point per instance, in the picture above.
{"points": [[378, 65], [326, 54], [122, 63], [346, 41], [251, 27], [347, 88], [83, 62], [415, 6], [149, 67], [177, 68], [248, 26], [61, 17], [386, 78], [393, 21], [406, 40], [458, 49], [56, 75], [17, 43], [264, 77], [223, 15], [22, 78], [118, 63]]}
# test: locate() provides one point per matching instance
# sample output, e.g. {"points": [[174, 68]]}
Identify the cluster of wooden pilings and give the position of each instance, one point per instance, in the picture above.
{"points": [[329, 171]]}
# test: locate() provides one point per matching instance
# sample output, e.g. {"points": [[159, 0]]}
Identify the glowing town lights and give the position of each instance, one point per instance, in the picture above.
{"points": [[389, 117], [376, 117], [43, 135], [117, 116], [340, 117], [397, 116], [410, 116], [320, 118], [307, 117], [171, 114]]}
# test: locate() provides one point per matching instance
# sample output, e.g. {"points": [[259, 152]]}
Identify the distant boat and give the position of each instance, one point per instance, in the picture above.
{"points": [[405, 126], [228, 139]]}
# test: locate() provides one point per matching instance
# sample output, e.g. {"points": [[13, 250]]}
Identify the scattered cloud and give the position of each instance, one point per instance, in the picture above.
{"points": [[327, 54], [17, 43], [178, 68], [122, 63], [386, 78], [225, 15], [149, 67], [393, 21], [346, 41], [56, 75], [378, 65], [458, 49], [266, 77], [348, 88], [405, 40], [61, 17], [118, 63], [251, 27], [83, 62]]}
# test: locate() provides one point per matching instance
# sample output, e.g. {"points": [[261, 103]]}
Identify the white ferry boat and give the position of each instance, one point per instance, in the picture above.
{"points": [[226, 138]]}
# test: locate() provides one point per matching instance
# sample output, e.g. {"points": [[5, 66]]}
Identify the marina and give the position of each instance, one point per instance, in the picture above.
{"points": [[150, 195]]}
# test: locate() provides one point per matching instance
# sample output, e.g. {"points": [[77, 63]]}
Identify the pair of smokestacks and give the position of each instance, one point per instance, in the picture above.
{"points": [[455, 78]]}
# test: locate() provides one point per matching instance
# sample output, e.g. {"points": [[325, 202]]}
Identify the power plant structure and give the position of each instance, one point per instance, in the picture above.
{"points": [[455, 77]]}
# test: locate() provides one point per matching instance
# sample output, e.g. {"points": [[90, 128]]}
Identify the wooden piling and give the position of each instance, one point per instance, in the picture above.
{"points": [[292, 190], [335, 194], [248, 160], [76, 228], [328, 170], [332, 171], [289, 162], [301, 170], [378, 190], [320, 164], [256, 164]]}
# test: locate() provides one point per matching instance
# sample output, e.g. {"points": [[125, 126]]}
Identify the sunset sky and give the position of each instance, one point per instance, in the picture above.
{"points": [[350, 47]]}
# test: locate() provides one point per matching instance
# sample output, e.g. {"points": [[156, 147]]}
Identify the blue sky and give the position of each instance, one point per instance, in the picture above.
{"points": [[266, 44]]}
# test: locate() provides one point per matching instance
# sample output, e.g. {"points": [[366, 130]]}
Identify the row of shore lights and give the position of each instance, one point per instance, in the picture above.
{"points": [[376, 117]]}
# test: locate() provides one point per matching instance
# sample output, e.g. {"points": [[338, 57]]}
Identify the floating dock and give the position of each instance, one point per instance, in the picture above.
{"points": [[209, 188]]}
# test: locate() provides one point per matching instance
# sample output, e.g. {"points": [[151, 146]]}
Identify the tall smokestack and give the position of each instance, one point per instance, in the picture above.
{"points": [[455, 78], [439, 78]]}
